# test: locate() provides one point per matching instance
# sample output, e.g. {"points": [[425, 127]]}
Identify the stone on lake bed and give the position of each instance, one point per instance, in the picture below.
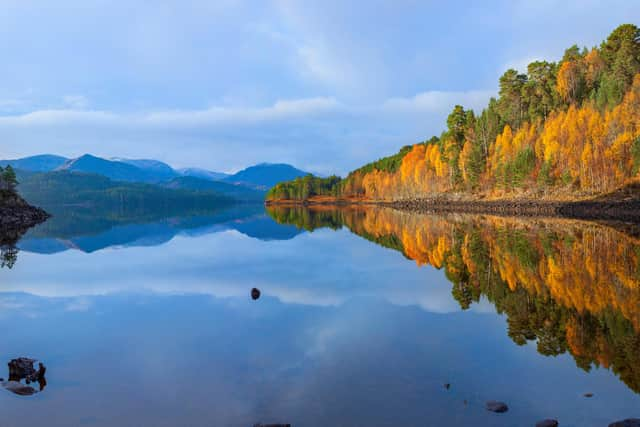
{"points": [[588, 395], [547, 423], [19, 388], [629, 422], [495, 406]]}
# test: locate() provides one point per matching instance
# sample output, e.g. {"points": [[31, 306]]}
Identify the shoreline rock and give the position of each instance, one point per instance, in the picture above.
{"points": [[623, 210], [17, 216]]}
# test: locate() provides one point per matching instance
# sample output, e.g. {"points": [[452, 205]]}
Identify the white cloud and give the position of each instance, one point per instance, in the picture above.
{"points": [[437, 101], [321, 134], [75, 102]]}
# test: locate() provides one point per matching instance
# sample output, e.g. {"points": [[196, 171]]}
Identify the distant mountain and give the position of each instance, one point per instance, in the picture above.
{"points": [[266, 175], [40, 163], [261, 177], [115, 170], [238, 192], [160, 170], [203, 174]]}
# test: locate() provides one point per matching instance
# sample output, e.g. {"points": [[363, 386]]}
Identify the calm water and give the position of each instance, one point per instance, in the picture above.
{"points": [[365, 315]]}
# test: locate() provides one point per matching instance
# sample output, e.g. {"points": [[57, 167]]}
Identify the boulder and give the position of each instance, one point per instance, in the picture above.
{"points": [[547, 423]]}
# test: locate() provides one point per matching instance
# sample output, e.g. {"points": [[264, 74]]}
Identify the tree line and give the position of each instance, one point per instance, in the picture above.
{"points": [[566, 127], [8, 179]]}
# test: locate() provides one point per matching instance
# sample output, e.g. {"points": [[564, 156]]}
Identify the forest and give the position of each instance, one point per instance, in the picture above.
{"points": [[562, 130], [572, 286]]}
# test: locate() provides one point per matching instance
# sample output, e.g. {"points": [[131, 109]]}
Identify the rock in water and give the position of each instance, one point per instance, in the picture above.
{"points": [[588, 395], [19, 388], [498, 407], [255, 293], [547, 423], [22, 367], [629, 422]]}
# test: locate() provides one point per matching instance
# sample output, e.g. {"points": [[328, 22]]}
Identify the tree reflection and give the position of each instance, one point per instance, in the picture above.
{"points": [[8, 256], [571, 286]]}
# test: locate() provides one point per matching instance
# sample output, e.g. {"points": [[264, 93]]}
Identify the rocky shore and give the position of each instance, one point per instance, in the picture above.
{"points": [[627, 209], [16, 216], [621, 210]]}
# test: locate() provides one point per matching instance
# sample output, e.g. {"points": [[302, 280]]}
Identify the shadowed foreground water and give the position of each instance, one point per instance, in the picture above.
{"points": [[153, 324]]}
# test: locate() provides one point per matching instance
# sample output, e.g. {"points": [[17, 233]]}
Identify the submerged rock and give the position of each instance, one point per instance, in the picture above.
{"points": [[255, 293], [495, 406], [588, 395], [547, 423], [19, 388], [272, 425], [629, 422]]}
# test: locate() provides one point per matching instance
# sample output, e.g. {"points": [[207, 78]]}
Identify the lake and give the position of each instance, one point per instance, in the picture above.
{"points": [[367, 317]]}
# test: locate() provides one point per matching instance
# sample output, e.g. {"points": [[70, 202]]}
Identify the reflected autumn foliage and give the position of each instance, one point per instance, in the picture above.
{"points": [[573, 286]]}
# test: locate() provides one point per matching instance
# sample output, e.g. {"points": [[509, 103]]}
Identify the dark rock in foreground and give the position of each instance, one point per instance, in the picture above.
{"points": [[255, 293], [498, 407], [547, 423], [629, 422]]}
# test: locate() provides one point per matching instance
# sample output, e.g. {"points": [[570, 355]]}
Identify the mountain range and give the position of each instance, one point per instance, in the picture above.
{"points": [[249, 184]]}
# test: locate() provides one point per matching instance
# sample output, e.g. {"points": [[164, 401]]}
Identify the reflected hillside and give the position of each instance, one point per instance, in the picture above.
{"points": [[572, 286], [88, 231]]}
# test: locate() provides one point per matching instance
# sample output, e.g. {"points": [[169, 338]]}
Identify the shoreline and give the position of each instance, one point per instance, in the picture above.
{"points": [[619, 210], [17, 216]]}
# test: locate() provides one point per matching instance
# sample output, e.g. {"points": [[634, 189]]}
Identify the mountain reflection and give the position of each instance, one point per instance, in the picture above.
{"points": [[88, 231], [573, 286]]}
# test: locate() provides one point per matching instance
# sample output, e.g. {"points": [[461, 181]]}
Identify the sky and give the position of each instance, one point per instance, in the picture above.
{"points": [[324, 85]]}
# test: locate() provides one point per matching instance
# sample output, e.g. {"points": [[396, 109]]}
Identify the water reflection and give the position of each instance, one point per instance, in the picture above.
{"points": [[155, 328], [82, 231], [571, 286]]}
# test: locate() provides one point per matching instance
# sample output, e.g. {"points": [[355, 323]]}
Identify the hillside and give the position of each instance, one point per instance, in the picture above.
{"points": [[159, 170], [266, 175], [562, 131], [116, 170], [39, 163], [65, 188], [238, 192], [203, 174]]}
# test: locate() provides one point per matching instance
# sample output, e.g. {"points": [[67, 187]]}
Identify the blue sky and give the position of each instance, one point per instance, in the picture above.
{"points": [[325, 85]]}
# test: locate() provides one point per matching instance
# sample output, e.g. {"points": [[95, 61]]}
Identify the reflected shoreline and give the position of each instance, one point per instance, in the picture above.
{"points": [[573, 286]]}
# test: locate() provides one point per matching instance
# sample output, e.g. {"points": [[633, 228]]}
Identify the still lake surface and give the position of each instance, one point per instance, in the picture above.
{"points": [[365, 315]]}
